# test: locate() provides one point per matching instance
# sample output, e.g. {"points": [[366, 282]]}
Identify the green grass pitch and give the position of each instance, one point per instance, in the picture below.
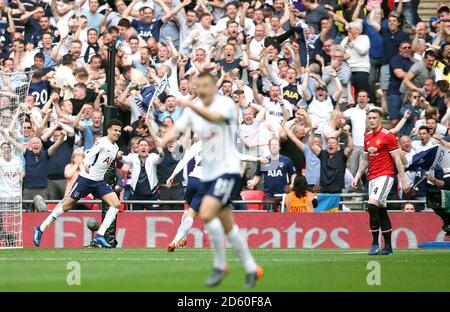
{"points": [[186, 270]]}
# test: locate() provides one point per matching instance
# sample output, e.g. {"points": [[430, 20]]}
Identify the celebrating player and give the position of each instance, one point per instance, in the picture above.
{"points": [[96, 163], [194, 194], [214, 117], [380, 153]]}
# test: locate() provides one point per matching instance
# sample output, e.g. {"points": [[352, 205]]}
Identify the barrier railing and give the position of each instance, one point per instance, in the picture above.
{"points": [[359, 204]]}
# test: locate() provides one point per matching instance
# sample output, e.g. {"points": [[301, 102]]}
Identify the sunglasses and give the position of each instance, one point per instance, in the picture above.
{"points": [[415, 97], [406, 47], [27, 128]]}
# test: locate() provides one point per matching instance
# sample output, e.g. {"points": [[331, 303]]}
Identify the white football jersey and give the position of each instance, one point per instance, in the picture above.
{"points": [[10, 175], [219, 155], [100, 157]]}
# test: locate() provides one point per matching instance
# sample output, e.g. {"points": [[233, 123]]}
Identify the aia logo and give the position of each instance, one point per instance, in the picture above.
{"points": [[107, 160]]}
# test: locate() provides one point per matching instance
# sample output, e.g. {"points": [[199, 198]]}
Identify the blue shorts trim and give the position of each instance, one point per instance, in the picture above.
{"points": [[224, 188], [194, 193], [84, 187]]}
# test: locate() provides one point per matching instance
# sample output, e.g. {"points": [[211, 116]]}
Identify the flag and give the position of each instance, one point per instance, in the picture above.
{"points": [[144, 100], [327, 203], [159, 89], [428, 159]]}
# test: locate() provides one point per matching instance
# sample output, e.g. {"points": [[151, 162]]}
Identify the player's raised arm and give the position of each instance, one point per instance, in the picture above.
{"points": [[212, 116], [188, 155]]}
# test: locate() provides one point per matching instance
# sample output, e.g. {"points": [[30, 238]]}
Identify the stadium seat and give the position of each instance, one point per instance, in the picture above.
{"points": [[253, 195]]}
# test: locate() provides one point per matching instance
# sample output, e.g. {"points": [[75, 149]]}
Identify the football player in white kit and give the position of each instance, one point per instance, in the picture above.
{"points": [[96, 163], [214, 117], [193, 194]]}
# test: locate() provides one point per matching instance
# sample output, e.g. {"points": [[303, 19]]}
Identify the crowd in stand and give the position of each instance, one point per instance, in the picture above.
{"points": [[303, 75]]}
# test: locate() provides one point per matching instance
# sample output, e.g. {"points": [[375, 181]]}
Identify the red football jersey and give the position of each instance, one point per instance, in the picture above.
{"points": [[378, 146]]}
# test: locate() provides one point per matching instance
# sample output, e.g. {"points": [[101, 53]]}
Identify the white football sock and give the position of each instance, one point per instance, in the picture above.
{"points": [[240, 246], [52, 217], [217, 238], [109, 218], [185, 226]]}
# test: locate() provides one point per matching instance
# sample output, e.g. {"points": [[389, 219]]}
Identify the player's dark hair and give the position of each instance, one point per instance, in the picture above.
{"points": [[5, 143], [114, 122], [376, 111], [424, 128], [300, 186]]}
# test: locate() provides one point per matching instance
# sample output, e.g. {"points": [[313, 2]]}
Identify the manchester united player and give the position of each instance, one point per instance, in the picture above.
{"points": [[380, 153]]}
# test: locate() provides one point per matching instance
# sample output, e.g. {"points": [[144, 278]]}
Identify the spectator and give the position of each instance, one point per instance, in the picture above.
{"points": [[343, 71], [144, 181], [443, 63], [333, 162], [357, 46], [419, 73], [399, 66], [315, 12], [312, 173], [442, 89], [425, 141], [11, 174], [392, 37], [410, 111], [36, 165], [59, 159], [278, 174], [408, 207], [300, 199], [321, 105], [357, 117], [170, 160]]}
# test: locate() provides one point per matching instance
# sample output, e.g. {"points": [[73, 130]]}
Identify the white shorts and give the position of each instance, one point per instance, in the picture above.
{"points": [[379, 189]]}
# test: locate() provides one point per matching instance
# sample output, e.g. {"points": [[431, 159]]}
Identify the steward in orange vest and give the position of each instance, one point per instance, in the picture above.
{"points": [[300, 199]]}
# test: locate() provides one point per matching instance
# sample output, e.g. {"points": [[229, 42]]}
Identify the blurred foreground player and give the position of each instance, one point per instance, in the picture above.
{"points": [[214, 117], [380, 153], [194, 190], [97, 162]]}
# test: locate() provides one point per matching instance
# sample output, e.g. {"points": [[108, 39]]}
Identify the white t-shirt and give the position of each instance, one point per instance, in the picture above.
{"points": [[220, 155], [10, 176], [419, 147], [255, 49], [320, 112], [274, 112], [358, 118], [100, 157]]}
